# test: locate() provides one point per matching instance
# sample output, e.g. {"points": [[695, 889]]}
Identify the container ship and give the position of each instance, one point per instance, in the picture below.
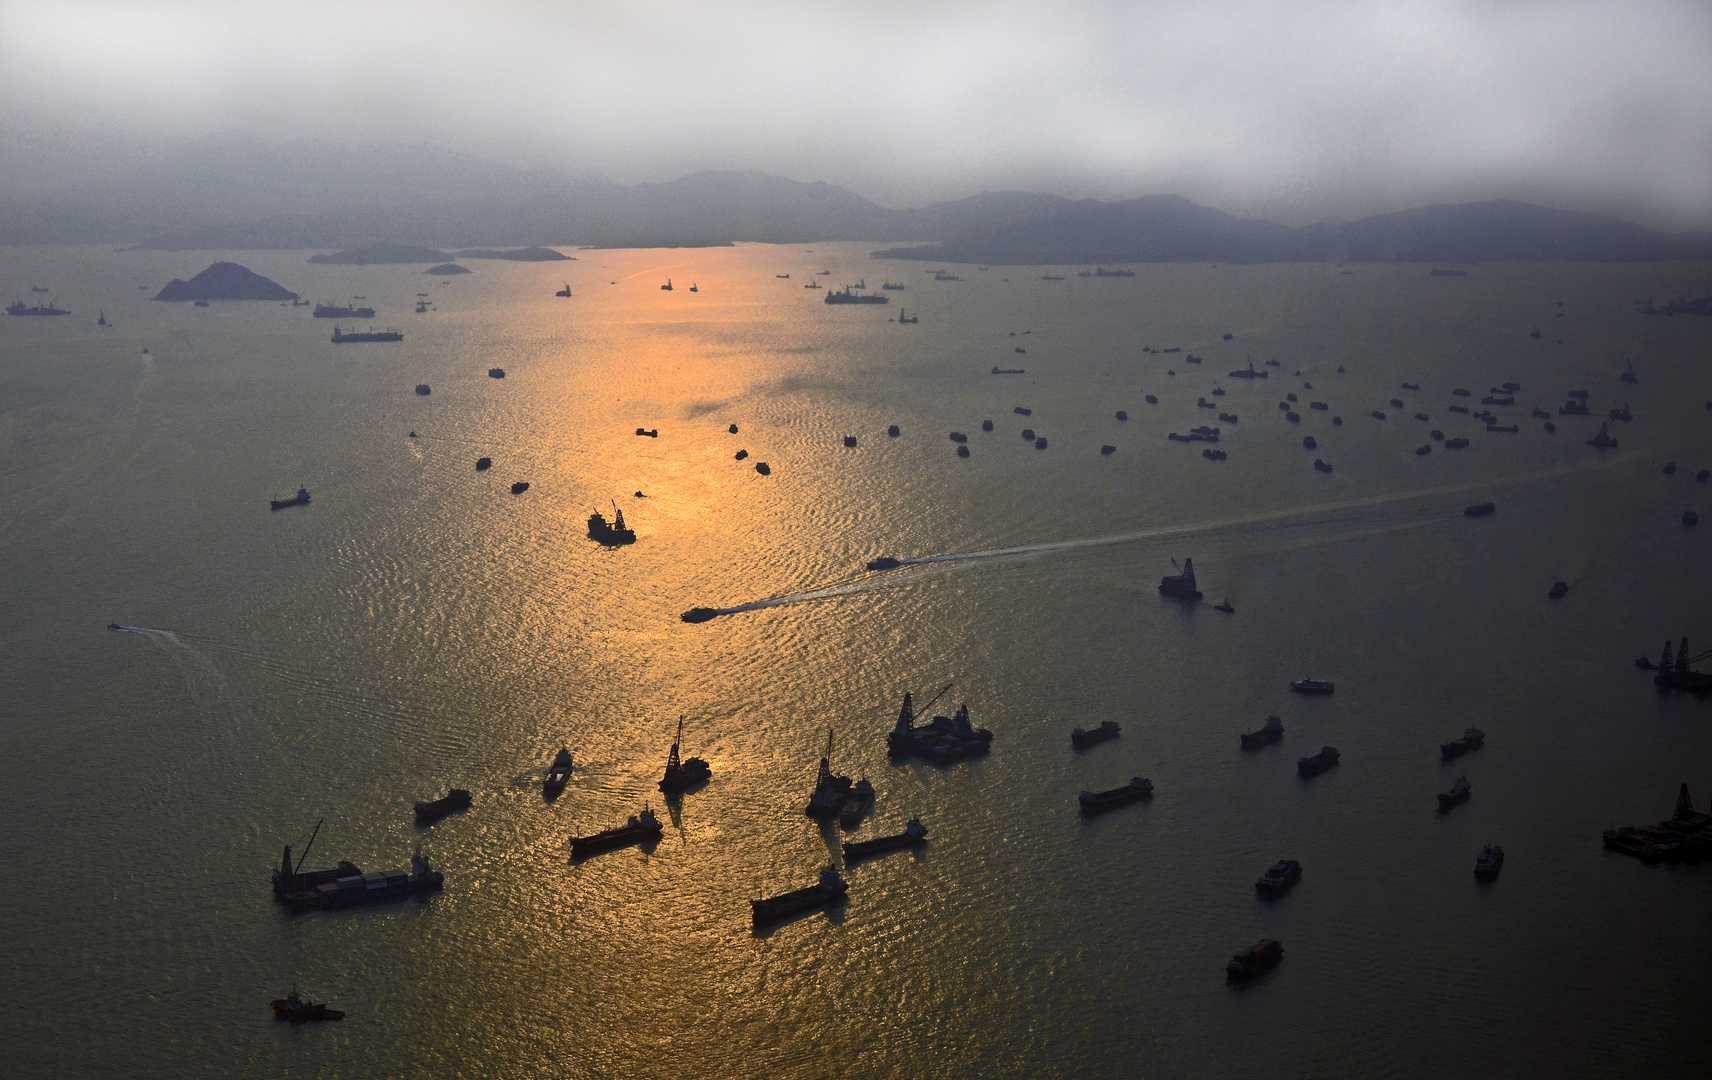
{"points": [[346, 883]]}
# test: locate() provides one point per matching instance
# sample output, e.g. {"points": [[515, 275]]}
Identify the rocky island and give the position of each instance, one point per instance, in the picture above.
{"points": [[225, 281], [448, 268]]}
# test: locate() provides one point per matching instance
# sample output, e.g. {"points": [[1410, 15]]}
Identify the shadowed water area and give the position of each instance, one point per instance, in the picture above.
{"points": [[417, 627]]}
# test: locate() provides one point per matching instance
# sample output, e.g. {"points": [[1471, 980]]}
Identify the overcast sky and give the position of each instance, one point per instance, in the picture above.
{"points": [[1296, 110]]}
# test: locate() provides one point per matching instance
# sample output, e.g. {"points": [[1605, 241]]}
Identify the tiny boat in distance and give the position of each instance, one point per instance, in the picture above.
{"points": [[1253, 960], [300, 499], [293, 1007], [885, 562], [1558, 590], [1313, 686], [1181, 585], [1319, 763], [520, 487], [484, 464], [1479, 509], [698, 614], [566, 291], [914, 833], [1458, 793], [1472, 739], [1225, 607]]}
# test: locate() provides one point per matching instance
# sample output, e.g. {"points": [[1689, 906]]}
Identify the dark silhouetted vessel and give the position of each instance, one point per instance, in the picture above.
{"points": [[293, 1006], [1479, 509], [830, 789], [885, 562], [1472, 739], [454, 800], [1491, 861], [1319, 763], [1279, 878], [300, 499], [698, 614], [1558, 589], [849, 295], [613, 535], [1181, 585], [346, 311], [1098, 802], [484, 464], [340, 337], [559, 771], [685, 773], [914, 833], [1457, 794], [1108, 729], [944, 738], [1255, 959], [641, 826], [1313, 686], [520, 487], [346, 883], [831, 887], [18, 307], [1269, 733]]}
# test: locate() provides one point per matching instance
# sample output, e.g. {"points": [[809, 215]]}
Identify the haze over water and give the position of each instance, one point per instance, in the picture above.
{"points": [[417, 627]]}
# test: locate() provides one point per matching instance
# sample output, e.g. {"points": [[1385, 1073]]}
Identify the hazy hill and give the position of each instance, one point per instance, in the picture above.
{"points": [[234, 192]]}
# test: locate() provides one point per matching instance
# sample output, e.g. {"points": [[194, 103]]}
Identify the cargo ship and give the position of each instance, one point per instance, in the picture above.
{"points": [[831, 791], [1098, 802], [1100, 271], [914, 833], [1250, 373], [849, 295], [1108, 729], [1181, 585], [641, 826], [336, 311], [1472, 739], [340, 337], [1319, 763], [453, 801], [346, 883], [1256, 958], [18, 307], [1278, 880], [943, 739], [300, 499], [293, 1007], [830, 888], [686, 773], [1269, 733], [613, 535], [1457, 794], [1491, 861]]}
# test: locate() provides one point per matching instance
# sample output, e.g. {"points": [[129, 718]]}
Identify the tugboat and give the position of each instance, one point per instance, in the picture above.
{"points": [[300, 499], [1107, 730], [1319, 763], [346, 883], [496, 373], [559, 772], [1491, 861], [686, 773], [613, 535], [454, 800], [914, 833], [293, 1007], [885, 562], [1458, 793], [1269, 733], [942, 739], [1225, 607], [641, 826], [1251, 961], [830, 790], [831, 887], [1313, 686], [1472, 739], [1181, 585], [1098, 802], [698, 614], [520, 487], [1278, 880]]}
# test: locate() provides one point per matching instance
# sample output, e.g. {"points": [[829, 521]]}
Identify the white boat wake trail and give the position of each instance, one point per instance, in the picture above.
{"points": [[204, 683]]}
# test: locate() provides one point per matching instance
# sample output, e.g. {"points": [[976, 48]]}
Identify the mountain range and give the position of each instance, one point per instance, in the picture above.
{"points": [[236, 192]]}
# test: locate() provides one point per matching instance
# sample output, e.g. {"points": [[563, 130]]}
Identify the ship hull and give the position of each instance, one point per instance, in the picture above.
{"points": [[766, 911], [612, 838]]}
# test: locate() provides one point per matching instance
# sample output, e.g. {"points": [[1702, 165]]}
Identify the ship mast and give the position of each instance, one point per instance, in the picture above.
{"points": [[673, 766], [309, 845], [824, 780]]}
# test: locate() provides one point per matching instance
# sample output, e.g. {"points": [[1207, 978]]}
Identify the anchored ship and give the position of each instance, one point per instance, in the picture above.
{"points": [[681, 774], [1491, 861], [18, 307], [1098, 802], [831, 791], [611, 535], [831, 887], [454, 800], [849, 295], [559, 772], [1319, 763], [1256, 958], [641, 826], [1472, 739], [1181, 586], [346, 883], [293, 1007], [914, 833], [944, 738], [346, 311], [1269, 733], [1677, 675], [1458, 793], [1278, 880], [340, 337], [1108, 729], [300, 499]]}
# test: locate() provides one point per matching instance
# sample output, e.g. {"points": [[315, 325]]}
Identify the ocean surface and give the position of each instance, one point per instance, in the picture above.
{"points": [[417, 627]]}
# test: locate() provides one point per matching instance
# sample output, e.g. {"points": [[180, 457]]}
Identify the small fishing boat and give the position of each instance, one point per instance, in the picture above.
{"points": [[484, 464], [520, 487], [559, 772], [1225, 607], [1558, 589]]}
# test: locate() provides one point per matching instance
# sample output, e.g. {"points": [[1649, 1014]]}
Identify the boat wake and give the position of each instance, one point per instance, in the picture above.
{"points": [[885, 578]]}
